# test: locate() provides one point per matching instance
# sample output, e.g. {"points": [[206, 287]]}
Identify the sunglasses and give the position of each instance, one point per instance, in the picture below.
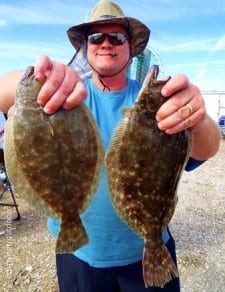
{"points": [[115, 38]]}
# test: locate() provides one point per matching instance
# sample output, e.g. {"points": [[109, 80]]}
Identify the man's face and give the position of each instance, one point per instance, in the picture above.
{"points": [[107, 55]]}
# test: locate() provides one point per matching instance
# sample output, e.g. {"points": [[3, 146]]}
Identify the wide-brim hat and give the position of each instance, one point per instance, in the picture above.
{"points": [[107, 12]]}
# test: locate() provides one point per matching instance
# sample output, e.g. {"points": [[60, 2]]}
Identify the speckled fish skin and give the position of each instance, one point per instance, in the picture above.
{"points": [[144, 165], [54, 161]]}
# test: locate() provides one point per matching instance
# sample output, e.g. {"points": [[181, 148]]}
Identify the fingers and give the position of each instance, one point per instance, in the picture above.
{"points": [[184, 109], [41, 67], [56, 78], [76, 96], [178, 82], [63, 86]]}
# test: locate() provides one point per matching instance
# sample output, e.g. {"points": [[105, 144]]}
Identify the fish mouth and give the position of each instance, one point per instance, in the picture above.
{"points": [[28, 73]]}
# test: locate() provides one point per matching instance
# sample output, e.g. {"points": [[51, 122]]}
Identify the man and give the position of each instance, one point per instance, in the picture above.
{"points": [[111, 262]]}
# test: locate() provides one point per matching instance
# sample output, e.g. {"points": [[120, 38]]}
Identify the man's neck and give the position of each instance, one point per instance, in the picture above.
{"points": [[114, 83]]}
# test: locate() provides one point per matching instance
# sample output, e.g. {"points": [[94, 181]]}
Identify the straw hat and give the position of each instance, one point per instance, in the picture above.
{"points": [[104, 12]]}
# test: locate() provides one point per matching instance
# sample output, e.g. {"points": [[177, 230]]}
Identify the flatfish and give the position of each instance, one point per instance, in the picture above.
{"points": [[54, 161], [144, 165]]}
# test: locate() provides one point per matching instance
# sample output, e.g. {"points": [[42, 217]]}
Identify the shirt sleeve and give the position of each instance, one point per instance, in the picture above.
{"points": [[193, 163]]}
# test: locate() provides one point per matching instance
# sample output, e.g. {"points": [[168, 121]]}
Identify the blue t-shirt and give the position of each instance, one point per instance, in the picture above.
{"points": [[111, 241]]}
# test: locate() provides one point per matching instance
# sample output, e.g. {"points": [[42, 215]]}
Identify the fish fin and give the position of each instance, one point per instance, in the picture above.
{"points": [[116, 140], [71, 237], [158, 266], [125, 110]]}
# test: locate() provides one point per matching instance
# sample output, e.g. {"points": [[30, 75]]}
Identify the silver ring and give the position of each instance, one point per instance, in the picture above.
{"points": [[190, 108]]}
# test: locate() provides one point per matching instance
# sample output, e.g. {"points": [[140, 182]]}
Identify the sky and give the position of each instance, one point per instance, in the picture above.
{"points": [[186, 36]]}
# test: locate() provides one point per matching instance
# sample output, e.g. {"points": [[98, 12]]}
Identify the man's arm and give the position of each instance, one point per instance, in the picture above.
{"points": [[8, 85]]}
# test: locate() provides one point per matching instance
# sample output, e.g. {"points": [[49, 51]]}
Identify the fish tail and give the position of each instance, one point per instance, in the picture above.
{"points": [[158, 266], [71, 237]]}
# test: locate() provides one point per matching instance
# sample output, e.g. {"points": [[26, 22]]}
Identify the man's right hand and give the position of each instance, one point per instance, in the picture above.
{"points": [[63, 86]]}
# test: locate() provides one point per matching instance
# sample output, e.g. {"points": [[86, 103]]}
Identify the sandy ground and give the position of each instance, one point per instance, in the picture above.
{"points": [[27, 260]]}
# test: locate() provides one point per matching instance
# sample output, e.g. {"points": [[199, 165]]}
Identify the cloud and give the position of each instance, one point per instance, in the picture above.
{"points": [[69, 12], [218, 46], [176, 44], [20, 54], [160, 10], [3, 23], [43, 12]]}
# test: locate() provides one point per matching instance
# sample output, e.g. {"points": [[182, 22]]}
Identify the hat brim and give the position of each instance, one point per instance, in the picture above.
{"points": [[138, 32]]}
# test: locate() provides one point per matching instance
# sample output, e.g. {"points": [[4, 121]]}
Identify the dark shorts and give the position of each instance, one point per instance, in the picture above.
{"points": [[75, 275]]}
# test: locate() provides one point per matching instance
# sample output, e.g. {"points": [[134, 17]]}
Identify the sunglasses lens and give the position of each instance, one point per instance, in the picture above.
{"points": [[96, 38], [115, 38]]}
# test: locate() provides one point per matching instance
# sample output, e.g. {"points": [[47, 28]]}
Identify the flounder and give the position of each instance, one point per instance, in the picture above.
{"points": [[54, 161], [144, 165]]}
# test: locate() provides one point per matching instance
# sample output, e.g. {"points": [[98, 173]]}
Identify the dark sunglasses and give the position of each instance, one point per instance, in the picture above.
{"points": [[115, 38]]}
